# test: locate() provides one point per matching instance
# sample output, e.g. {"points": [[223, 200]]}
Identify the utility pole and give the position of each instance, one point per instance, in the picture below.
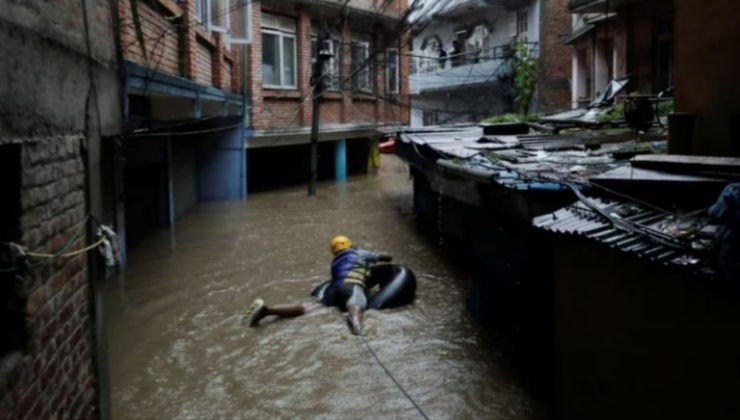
{"points": [[323, 55]]}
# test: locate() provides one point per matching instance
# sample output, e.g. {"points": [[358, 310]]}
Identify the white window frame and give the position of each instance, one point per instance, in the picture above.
{"points": [[244, 13], [391, 89], [365, 73], [201, 15], [223, 14], [282, 34]]}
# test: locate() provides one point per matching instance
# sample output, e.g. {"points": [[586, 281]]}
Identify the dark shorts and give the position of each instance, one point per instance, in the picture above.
{"points": [[343, 295]]}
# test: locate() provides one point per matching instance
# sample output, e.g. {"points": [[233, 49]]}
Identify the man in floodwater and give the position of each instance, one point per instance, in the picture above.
{"points": [[350, 271]]}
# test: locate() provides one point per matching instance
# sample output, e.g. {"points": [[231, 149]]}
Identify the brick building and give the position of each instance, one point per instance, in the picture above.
{"points": [[59, 103], [183, 109], [367, 78], [629, 38]]}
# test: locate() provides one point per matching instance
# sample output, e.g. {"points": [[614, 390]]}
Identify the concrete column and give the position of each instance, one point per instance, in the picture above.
{"points": [[303, 48], [340, 160]]}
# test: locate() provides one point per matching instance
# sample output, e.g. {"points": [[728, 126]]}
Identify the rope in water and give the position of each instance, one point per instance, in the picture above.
{"points": [[390, 375]]}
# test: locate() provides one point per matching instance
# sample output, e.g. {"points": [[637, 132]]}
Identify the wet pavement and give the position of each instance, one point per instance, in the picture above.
{"points": [[179, 347]]}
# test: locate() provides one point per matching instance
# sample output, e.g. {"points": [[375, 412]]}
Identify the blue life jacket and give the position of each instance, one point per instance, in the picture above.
{"points": [[348, 267]]}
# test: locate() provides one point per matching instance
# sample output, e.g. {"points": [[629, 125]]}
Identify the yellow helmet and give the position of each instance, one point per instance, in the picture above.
{"points": [[340, 243]]}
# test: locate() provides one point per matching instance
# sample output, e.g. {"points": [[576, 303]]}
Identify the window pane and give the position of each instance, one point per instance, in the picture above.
{"points": [[288, 61], [270, 59]]}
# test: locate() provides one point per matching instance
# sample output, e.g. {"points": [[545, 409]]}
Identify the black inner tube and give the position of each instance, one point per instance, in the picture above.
{"points": [[397, 286]]}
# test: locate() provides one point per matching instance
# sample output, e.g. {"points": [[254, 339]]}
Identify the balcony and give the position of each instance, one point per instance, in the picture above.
{"points": [[464, 70]]}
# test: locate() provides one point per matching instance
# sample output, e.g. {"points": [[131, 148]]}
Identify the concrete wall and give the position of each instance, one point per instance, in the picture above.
{"points": [[463, 105], [58, 95], [636, 340], [706, 77]]}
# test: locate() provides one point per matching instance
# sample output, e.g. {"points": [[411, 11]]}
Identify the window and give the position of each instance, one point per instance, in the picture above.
{"points": [[331, 80], [430, 118], [522, 21], [278, 52], [201, 11], [218, 15], [362, 79], [392, 67], [240, 31]]}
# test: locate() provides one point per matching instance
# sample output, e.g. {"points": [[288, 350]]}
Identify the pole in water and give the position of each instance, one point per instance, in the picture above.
{"points": [[322, 56]]}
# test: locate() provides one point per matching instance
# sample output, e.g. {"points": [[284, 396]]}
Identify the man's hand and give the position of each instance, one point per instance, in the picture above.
{"points": [[385, 258]]}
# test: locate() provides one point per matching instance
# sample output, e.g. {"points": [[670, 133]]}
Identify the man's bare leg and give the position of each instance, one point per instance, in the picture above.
{"points": [[286, 311], [354, 318]]}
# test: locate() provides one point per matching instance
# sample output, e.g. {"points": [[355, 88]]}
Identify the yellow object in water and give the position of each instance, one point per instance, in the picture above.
{"points": [[373, 157]]}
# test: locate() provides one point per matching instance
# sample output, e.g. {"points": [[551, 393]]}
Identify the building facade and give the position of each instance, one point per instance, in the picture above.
{"points": [[463, 53], [183, 109], [60, 103], [366, 85], [629, 38]]}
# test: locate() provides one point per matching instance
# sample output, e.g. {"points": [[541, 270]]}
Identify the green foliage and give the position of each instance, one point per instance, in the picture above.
{"points": [[614, 114], [665, 107], [511, 118], [617, 112], [525, 78], [503, 118]]}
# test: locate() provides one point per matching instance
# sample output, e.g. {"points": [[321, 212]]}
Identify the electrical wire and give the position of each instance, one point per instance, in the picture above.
{"points": [[390, 375]]}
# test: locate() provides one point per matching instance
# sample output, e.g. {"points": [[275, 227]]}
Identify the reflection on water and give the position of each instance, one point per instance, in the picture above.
{"points": [[179, 348]]}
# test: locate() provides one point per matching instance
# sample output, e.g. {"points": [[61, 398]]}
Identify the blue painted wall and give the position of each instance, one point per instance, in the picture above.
{"points": [[222, 166]]}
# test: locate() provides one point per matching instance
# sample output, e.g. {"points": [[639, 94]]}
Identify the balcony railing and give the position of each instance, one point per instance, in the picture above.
{"points": [[469, 68]]}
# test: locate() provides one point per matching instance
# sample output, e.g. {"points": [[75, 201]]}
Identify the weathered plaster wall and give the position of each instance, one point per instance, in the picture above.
{"points": [[59, 93]]}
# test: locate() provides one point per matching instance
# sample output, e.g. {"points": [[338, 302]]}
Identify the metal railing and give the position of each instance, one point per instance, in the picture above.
{"points": [[430, 64]]}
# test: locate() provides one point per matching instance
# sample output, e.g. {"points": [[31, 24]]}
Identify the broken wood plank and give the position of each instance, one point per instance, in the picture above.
{"points": [[705, 165]]}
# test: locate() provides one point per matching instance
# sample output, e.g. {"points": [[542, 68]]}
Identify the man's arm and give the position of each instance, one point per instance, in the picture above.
{"points": [[373, 257]]}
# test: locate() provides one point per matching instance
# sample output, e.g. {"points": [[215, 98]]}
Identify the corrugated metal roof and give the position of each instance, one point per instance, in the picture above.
{"points": [[636, 229]]}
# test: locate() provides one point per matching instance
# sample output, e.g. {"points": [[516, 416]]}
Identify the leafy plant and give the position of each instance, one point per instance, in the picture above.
{"points": [[511, 118], [525, 78], [614, 114]]}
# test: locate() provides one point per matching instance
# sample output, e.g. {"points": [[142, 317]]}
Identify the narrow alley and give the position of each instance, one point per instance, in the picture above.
{"points": [[179, 347]]}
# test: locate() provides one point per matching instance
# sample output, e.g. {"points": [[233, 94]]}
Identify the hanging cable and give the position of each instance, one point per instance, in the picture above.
{"points": [[390, 375]]}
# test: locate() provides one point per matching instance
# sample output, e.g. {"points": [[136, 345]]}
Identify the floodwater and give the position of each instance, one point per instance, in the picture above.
{"points": [[179, 347]]}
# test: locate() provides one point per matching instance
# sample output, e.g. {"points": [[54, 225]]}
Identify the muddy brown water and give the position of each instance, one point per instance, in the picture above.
{"points": [[179, 347]]}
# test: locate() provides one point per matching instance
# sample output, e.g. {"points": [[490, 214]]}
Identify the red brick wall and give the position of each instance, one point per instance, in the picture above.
{"points": [[204, 64], [160, 36], [176, 44], [54, 378], [276, 109], [226, 76], [555, 57]]}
